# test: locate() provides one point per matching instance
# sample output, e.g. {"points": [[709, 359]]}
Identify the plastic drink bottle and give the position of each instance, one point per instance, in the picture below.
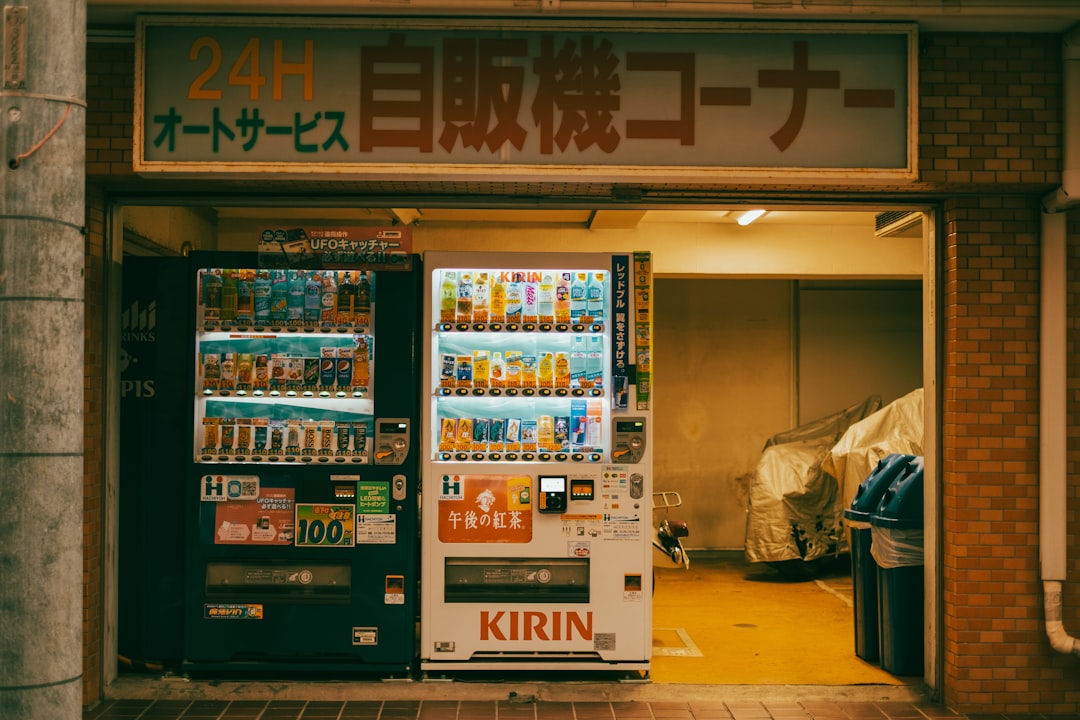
{"points": [[211, 285], [296, 296], [594, 296], [545, 299], [448, 296], [328, 311], [480, 297], [577, 361], [464, 297], [363, 295], [279, 297], [497, 310], [312, 298], [594, 360], [261, 291], [346, 299], [498, 370], [514, 297], [577, 296], [228, 295], [562, 298], [245, 305], [529, 301]]}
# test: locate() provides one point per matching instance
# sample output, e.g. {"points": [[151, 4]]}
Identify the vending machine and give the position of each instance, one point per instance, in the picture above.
{"points": [[303, 480], [537, 462]]}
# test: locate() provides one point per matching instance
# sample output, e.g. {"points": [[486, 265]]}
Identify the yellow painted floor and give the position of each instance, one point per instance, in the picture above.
{"points": [[726, 622]]}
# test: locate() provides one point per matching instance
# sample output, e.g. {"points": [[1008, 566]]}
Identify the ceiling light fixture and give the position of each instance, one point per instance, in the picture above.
{"points": [[750, 216]]}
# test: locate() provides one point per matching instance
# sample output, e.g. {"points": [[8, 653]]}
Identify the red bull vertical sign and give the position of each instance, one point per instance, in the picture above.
{"points": [[643, 326]]}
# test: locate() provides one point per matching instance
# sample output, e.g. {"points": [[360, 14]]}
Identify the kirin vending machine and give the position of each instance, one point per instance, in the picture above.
{"points": [[537, 530], [302, 547]]}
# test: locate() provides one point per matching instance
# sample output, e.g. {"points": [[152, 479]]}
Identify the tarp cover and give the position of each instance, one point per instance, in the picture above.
{"points": [[895, 428], [795, 510]]}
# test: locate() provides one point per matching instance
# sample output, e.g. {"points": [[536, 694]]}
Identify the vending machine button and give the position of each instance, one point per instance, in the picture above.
{"points": [[545, 327], [463, 391], [529, 327], [478, 456], [494, 456], [528, 457], [598, 328], [496, 391], [511, 456], [545, 456], [562, 392], [479, 391], [445, 456], [445, 391], [595, 457], [495, 327], [512, 392], [512, 327], [529, 392], [596, 392], [479, 327], [578, 392], [461, 456], [578, 457], [446, 327], [578, 328], [462, 327], [545, 391], [561, 457]]}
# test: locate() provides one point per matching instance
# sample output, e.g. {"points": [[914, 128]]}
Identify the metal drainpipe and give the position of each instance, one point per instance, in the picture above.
{"points": [[1053, 356]]}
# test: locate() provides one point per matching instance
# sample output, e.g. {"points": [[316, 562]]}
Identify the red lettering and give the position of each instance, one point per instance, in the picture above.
{"points": [[573, 620], [490, 626], [535, 623]]}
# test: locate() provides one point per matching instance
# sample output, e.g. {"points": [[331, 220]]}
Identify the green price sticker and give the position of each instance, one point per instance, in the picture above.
{"points": [[325, 525]]}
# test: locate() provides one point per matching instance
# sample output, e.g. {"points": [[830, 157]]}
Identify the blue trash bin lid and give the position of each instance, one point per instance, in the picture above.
{"points": [[901, 505], [868, 495]]}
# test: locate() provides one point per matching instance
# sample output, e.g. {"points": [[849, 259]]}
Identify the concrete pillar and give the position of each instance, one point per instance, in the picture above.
{"points": [[42, 195]]}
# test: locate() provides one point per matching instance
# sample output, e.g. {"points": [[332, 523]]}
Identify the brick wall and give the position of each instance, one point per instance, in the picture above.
{"points": [[996, 654], [989, 111]]}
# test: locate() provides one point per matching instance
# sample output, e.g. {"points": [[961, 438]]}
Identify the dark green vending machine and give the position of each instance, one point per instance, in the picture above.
{"points": [[302, 547]]}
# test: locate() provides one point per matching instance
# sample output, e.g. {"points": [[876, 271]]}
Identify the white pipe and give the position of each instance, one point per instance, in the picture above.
{"points": [[1053, 375]]}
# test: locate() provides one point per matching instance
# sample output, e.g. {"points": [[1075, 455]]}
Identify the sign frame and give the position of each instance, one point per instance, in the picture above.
{"points": [[529, 172]]}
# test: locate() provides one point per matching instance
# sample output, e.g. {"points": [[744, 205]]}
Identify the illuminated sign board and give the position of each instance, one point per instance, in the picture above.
{"points": [[699, 100]]}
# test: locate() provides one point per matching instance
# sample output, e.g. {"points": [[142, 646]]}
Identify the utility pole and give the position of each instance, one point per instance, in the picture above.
{"points": [[42, 215]]}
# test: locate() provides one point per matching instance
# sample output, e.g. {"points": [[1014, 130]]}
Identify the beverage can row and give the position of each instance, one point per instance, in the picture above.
{"points": [[335, 367], [581, 367], [292, 438], [582, 429]]}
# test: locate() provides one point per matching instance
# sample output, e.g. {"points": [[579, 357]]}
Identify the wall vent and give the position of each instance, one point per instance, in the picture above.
{"points": [[895, 222]]}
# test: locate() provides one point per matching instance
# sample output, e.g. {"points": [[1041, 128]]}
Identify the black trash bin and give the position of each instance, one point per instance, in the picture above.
{"points": [[864, 569], [897, 547]]}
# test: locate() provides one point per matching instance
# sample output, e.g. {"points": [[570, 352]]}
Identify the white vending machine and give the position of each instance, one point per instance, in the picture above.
{"points": [[537, 487]]}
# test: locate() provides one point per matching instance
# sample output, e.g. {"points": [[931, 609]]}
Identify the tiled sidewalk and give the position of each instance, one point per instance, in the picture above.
{"points": [[511, 710]]}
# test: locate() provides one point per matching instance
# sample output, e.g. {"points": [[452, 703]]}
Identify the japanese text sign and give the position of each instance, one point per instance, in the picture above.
{"points": [[485, 509], [484, 98]]}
